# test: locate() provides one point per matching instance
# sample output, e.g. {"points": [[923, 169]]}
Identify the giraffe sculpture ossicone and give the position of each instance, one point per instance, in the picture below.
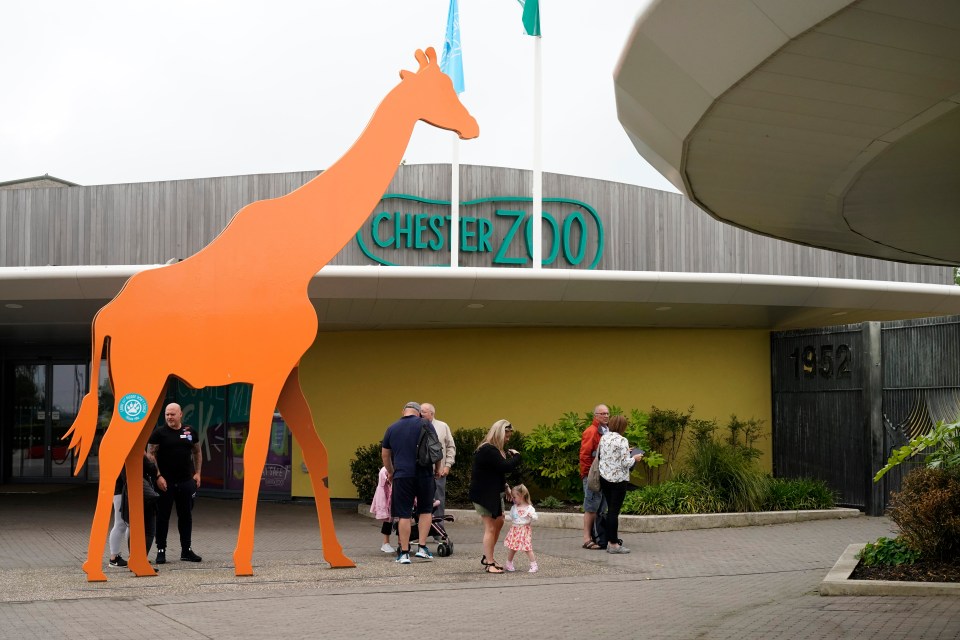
{"points": [[238, 311]]}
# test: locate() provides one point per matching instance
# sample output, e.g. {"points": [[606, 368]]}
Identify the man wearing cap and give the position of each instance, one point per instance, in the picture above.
{"points": [[410, 481]]}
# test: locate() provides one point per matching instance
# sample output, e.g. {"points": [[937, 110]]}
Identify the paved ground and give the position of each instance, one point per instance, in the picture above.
{"points": [[755, 582]]}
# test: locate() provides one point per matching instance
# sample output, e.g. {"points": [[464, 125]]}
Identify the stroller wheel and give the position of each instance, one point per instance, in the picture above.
{"points": [[444, 549]]}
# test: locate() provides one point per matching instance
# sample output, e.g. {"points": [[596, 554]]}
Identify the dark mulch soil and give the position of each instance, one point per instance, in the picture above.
{"points": [[924, 571]]}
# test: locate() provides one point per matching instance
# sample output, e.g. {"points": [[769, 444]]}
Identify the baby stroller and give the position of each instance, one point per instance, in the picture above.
{"points": [[437, 531]]}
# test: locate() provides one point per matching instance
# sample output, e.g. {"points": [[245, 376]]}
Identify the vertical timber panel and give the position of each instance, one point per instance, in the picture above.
{"points": [[873, 415]]}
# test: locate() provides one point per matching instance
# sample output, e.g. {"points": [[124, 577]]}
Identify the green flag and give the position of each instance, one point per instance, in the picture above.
{"points": [[531, 16]]}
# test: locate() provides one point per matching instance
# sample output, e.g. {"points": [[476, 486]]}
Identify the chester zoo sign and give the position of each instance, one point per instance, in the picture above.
{"points": [[410, 230]]}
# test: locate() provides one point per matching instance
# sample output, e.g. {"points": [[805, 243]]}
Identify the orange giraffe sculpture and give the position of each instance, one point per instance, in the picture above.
{"points": [[238, 311]]}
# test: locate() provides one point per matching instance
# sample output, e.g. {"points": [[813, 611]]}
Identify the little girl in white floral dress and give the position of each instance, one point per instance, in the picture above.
{"points": [[519, 538]]}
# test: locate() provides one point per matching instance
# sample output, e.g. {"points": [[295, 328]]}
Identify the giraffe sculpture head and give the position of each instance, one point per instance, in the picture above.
{"points": [[440, 103]]}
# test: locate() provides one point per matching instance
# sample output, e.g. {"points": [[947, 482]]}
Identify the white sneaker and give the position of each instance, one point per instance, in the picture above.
{"points": [[423, 553], [386, 548], [404, 558]]}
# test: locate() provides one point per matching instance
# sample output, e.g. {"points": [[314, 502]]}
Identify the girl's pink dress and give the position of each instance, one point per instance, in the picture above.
{"points": [[520, 538]]}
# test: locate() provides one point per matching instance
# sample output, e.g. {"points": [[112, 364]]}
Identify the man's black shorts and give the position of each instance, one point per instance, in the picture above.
{"points": [[405, 490]]}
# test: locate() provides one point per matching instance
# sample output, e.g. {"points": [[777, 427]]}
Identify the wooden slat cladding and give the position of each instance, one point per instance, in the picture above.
{"points": [[818, 409], [643, 229], [824, 425]]}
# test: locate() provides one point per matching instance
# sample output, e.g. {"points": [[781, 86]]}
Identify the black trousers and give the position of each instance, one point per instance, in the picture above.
{"points": [[613, 493], [180, 494], [149, 523]]}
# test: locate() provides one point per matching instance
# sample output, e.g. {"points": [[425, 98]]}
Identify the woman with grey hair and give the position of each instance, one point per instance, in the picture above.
{"points": [[488, 483]]}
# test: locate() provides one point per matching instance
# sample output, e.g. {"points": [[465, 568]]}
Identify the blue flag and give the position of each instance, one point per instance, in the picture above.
{"points": [[451, 62]]}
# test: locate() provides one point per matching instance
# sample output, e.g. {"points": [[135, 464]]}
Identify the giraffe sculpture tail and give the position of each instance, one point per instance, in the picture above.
{"points": [[84, 428]]}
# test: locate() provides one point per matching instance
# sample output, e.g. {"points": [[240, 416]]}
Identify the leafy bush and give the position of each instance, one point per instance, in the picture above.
{"points": [[729, 472], [365, 470], [638, 435], [551, 503], [927, 511], [672, 497], [366, 463], [552, 455], [887, 551], [789, 494], [943, 442], [665, 430]]}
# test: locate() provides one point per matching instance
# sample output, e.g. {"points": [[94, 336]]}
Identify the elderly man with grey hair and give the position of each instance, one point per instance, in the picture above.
{"points": [[429, 412]]}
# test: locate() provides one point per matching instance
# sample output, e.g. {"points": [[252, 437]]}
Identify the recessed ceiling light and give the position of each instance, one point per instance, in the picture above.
{"points": [[13, 305], [664, 308], [474, 305]]}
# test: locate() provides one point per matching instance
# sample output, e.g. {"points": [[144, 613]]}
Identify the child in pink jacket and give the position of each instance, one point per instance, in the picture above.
{"points": [[380, 508]]}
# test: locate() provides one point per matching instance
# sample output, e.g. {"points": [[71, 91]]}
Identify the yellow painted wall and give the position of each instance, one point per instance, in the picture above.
{"points": [[357, 382]]}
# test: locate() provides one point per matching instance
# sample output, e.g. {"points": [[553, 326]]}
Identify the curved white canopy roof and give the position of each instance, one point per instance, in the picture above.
{"points": [[831, 123]]}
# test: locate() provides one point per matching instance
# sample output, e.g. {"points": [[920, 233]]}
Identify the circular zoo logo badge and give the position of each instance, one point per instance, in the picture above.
{"points": [[133, 407]]}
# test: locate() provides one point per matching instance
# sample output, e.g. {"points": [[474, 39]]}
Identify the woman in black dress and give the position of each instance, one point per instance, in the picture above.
{"points": [[488, 482]]}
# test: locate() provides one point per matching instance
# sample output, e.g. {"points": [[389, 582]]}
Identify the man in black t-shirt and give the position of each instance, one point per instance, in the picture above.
{"points": [[176, 449]]}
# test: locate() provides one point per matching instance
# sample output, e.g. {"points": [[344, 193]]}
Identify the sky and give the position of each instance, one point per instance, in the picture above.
{"points": [[106, 92]]}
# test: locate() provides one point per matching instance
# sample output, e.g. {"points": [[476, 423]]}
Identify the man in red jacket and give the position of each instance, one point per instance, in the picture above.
{"points": [[592, 500]]}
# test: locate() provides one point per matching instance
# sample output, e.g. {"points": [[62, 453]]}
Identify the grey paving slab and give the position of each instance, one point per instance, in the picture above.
{"points": [[748, 582]]}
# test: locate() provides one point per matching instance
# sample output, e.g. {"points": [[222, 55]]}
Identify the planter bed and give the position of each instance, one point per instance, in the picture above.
{"points": [[838, 581]]}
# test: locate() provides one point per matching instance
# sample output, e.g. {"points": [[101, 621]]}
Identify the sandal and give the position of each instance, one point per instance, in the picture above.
{"points": [[493, 563], [493, 568], [591, 545]]}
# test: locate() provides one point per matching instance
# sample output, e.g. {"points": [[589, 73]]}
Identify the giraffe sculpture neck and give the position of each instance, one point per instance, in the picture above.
{"points": [[331, 206]]}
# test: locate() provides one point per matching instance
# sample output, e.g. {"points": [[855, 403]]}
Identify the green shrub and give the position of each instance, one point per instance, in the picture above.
{"points": [[365, 470], [941, 444], [790, 494], [671, 497], [927, 511], [887, 551], [638, 435], [551, 454], [729, 472], [365, 466], [665, 431], [551, 503]]}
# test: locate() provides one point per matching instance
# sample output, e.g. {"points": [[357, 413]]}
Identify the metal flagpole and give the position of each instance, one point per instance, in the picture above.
{"points": [[455, 205], [537, 219]]}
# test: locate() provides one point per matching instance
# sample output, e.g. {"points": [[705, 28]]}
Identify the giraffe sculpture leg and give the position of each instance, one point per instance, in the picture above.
{"points": [[138, 562], [296, 413], [262, 405], [118, 442]]}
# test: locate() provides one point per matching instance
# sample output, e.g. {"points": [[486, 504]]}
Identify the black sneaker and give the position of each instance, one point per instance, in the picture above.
{"points": [[118, 561], [187, 555], [161, 556]]}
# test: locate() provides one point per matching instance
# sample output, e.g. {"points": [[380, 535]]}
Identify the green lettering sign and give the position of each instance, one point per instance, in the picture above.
{"points": [[571, 228]]}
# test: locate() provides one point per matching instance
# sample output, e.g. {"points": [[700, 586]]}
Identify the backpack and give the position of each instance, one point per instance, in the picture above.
{"points": [[429, 451]]}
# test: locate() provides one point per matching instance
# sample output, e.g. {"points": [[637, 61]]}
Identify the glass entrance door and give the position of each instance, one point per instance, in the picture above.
{"points": [[46, 400]]}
